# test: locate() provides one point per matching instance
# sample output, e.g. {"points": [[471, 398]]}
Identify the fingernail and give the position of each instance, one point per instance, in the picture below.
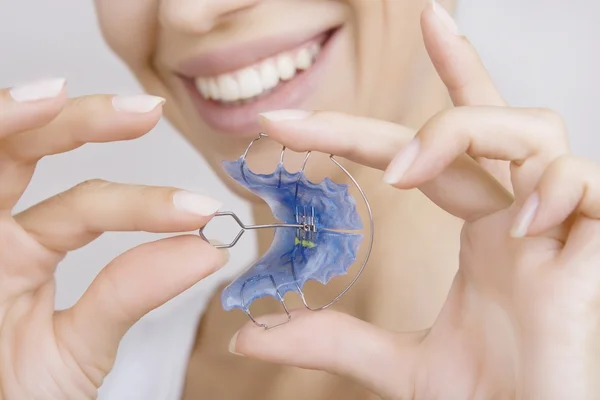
{"points": [[402, 162], [195, 203], [286, 115], [224, 250], [445, 17], [140, 103], [38, 90], [215, 242], [525, 216], [232, 343]]}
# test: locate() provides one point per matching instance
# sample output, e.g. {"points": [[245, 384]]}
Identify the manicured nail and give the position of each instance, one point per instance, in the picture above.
{"points": [[215, 242], [195, 203], [286, 115], [224, 250], [232, 343], [525, 216], [445, 17], [141, 103], [38, 90], [402, 162]]}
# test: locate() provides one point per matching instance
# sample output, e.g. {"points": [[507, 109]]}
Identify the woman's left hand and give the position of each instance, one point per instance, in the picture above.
{"points": [[522, 318]]}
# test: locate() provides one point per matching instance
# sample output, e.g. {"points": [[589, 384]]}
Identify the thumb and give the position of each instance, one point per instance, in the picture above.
{"points": [[133, 284], [382, 361]]}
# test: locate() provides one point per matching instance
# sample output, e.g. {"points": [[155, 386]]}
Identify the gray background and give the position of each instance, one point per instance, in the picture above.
{"points": [[540, 52]]}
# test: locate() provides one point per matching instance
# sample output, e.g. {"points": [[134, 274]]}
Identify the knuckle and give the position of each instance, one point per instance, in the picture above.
{"points": [[446, 115], [552, 120], [449, 117], [547, 114], [561, 168], [91, 185], [449, 125], [553, 134], [81, 191]]}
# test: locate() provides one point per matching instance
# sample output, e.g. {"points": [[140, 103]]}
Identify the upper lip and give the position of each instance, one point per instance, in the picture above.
{"points": [[239, 55]]}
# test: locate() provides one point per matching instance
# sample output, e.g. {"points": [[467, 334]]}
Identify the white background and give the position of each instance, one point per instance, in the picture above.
{"points": [[540, 52]]}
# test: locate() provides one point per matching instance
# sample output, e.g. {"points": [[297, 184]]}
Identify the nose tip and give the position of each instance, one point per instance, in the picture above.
{"points": [[199, 16]]}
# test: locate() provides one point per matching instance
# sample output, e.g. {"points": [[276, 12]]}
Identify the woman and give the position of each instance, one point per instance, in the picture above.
{"points": [[520, 320]]}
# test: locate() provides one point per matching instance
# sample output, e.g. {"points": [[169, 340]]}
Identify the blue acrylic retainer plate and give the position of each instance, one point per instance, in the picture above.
{"points": [[296, 256]]}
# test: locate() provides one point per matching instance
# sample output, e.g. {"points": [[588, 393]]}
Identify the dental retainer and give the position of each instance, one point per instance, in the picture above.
{"points": [[318, 238]]}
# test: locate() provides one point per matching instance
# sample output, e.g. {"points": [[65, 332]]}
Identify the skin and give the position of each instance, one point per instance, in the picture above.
{"points": [[166, 32], [501, 331]]}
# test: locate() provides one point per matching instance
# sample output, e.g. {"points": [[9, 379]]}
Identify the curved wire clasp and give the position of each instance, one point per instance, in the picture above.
{"points": [[245, 228], [306, 226]]}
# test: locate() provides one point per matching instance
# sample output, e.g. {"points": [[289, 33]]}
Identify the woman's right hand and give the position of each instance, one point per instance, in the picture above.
{"points": [[66, 354]]}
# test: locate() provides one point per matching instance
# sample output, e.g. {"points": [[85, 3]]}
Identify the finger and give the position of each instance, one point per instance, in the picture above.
{"points": [[74, 218], [132, 285], [456, 60], [374, 143], [86, 119], [529, 138], [462, 72], [569, 186], [89, 119], [31, 105], [22, 108], [337, 343]]}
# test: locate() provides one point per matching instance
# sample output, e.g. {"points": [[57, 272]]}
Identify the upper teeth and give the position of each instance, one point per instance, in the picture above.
{"points": [[252, 81]]}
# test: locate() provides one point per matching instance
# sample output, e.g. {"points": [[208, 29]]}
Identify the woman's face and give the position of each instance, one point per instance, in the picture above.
{"points": [[221, 62]]}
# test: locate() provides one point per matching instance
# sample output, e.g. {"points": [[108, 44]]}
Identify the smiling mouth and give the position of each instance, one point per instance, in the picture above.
{"points": [[250, 83], [230, 101]]}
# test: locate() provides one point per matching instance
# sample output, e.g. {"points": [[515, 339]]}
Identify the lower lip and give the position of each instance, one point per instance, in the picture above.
{"points": [[242, 119]]}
